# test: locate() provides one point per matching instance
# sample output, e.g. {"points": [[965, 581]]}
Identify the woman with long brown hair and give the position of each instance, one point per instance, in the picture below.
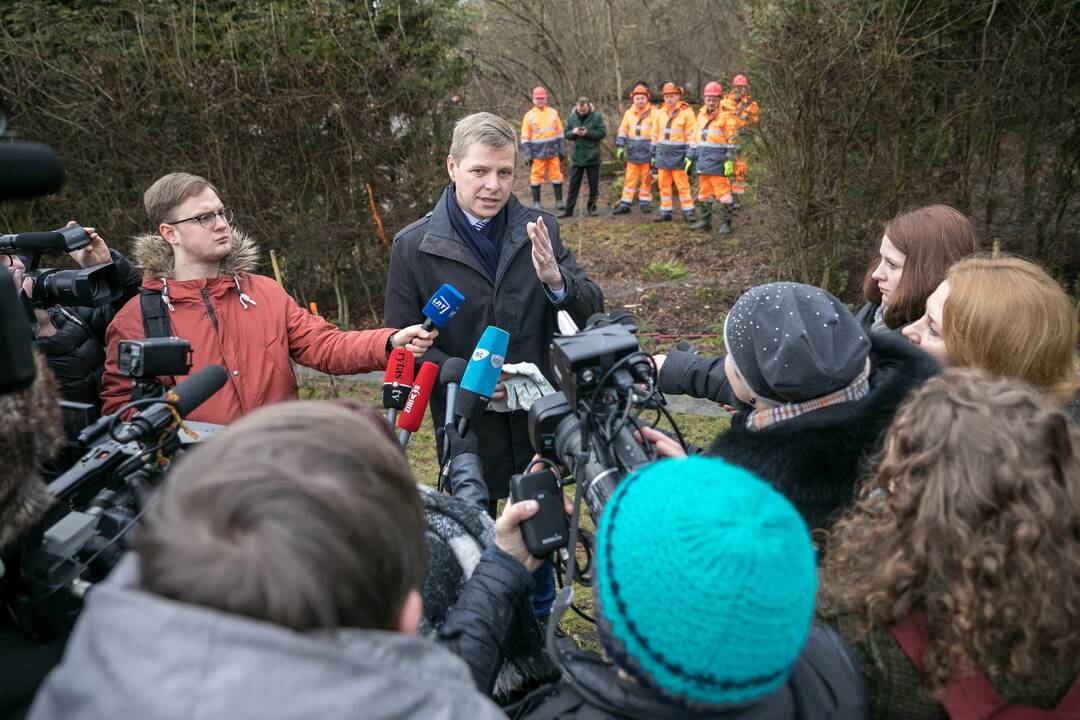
{"points": [[1005, 315], [968, 538], [916, 249]]}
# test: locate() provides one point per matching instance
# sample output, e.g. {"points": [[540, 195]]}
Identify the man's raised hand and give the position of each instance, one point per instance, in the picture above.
{"points": [[543, 257]]}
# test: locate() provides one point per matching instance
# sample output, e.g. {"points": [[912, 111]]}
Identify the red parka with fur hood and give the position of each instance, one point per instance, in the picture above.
{"points": [[246, 323]]}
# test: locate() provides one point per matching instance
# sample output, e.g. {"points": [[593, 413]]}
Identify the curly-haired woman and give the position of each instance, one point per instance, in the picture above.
{"points": [[966, 542]]}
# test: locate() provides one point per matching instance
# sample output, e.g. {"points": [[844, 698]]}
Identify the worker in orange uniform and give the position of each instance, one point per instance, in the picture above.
{"points": [[634, 146], [713, 151], [673, 128], [747, 114], [542, 146]]}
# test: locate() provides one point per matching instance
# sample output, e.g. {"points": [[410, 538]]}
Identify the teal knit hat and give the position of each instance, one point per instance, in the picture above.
{"points": [[705, 581]]}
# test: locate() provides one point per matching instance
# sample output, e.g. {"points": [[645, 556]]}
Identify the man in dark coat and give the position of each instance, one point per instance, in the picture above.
{"points": [[585, 127], [510, 265]]}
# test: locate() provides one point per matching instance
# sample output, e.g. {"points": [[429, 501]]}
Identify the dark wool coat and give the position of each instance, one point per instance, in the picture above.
{"points": [[429, 253], [818, 458], [587, 147], [76, 353]]}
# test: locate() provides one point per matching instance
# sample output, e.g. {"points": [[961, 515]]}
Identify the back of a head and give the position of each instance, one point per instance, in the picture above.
{"points": [[721, 613], [932, 238], [169, 191], [484, 128], [974, 517], [302, 514], [1008, 316]]}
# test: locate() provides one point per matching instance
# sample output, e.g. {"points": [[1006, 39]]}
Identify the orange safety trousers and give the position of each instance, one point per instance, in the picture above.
{"points": [[738, 183], [637, 174], [713, 187], [682, 183], [551, 165]]}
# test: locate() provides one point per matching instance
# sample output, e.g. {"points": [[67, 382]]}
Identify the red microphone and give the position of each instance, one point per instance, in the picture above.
{"points": [[416, 404], [397, 382]]}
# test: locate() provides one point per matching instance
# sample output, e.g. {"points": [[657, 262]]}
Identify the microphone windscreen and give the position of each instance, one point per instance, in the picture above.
{"points": [[412, 417], [443, 305], [198, 388], [485, 365], [29, 242], [399, 368], [453, 370], [398, 378], [28, 170]]}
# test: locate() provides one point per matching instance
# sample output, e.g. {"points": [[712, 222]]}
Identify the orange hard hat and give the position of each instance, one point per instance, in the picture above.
{"points": [[639, 89], [713, 89], [669, 88], [739, 80], [539, 92]]}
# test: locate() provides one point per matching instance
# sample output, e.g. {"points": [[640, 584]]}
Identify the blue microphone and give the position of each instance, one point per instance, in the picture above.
{"points": [[481, 376], [442, 307]]}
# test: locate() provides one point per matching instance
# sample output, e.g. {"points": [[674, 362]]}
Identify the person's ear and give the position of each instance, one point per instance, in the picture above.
{"points": [[451, 167], [411, 611], [168, 233]]}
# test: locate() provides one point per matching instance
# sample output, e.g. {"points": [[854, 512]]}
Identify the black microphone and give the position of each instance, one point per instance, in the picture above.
{"points": [[450, 376], [191, 393], [28, 170]]}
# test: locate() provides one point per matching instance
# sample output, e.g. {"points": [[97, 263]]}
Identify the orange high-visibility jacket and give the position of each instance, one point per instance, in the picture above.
{"points": [[671, 135], [635, 133], [714, 142], [746, 111], [541, 134]]}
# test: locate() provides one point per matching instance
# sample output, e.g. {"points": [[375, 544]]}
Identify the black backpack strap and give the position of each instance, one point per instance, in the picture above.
{"points": [[155, 315]]}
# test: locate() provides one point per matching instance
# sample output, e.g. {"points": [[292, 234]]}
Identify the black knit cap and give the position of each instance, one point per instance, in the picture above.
{"points": [[792, 342]]}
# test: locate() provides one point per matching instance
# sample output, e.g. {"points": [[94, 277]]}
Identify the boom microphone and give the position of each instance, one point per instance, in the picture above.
{"points": [[451, 374], [412, 417], [481, 375], [442, 307], [28, 170], [190, 394], [397, 381]]}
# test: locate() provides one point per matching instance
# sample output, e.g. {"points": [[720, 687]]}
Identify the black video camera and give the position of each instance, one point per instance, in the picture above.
{"points": [[145, 360], [606, 381], [89, 287]]}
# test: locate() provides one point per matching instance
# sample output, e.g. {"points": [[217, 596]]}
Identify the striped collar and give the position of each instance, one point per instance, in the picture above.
{"points": [[857, 389]]}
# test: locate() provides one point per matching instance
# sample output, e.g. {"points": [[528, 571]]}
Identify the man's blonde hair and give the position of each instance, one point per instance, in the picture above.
{"points": [[168, 191], [483, 128], [1008, 316]]}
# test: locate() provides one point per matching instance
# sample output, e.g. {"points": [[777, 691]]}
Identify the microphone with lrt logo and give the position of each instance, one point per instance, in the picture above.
{"points": [[442, 307]]}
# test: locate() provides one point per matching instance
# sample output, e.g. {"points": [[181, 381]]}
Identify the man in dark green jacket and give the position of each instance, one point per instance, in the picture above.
{"points": [[585, 127]]}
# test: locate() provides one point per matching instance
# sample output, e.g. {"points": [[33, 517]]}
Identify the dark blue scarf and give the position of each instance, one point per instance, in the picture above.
{"points": [[483, 243]]}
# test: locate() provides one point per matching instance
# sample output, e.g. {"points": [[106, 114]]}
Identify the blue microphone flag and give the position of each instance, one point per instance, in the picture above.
{"points": [[485, 365], [443, 305]]}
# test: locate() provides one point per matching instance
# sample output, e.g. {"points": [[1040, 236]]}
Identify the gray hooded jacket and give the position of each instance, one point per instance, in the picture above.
{"points": [[137, 655]]}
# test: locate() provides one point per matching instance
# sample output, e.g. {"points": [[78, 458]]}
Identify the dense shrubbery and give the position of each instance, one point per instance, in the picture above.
{"points": [[292, 109], [868, 107]]}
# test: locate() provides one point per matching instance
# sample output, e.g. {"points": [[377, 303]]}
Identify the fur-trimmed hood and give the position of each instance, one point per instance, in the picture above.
{"points": [[153, 254]]}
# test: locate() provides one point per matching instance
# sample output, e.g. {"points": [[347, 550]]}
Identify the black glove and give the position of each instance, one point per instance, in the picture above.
{"points": [[456, 444]]}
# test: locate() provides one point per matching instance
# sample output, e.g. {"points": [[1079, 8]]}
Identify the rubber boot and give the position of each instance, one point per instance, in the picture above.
{"points": [[663, 217], [688, 215], [536, 196], [558, 196], [621, 209], [705, 223], [725, 227], [646, 208]]}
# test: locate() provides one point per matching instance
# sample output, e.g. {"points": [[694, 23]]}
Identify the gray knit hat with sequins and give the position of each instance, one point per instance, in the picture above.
{"points": [[792, 342]]}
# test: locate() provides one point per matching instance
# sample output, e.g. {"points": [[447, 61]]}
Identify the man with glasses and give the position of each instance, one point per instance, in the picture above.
{"points": [[199, 284]]}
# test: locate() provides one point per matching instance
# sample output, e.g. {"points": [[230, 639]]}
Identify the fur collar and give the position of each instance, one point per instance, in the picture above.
{"points": [[154, 255]]}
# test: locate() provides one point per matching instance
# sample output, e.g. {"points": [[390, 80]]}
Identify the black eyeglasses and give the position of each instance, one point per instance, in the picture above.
{"points": [[206, 220]]}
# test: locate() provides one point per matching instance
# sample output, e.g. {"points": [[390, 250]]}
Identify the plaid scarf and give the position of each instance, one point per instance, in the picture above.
{"points": [[856, 390]]}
